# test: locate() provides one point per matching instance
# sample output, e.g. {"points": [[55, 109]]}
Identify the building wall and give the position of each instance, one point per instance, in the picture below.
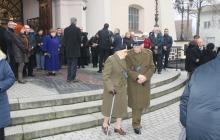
{"points": [[30, 9], [167, 16], [95, 15], [68, 9], [211, 33], [120, 11]]}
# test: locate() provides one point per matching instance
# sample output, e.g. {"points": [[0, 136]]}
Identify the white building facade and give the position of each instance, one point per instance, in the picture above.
{"points": [[127, 15], [210, 25]]}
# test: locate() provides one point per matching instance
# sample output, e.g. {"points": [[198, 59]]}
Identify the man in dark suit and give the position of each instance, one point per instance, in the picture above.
{"points": [[104, 45], [72, 41], [157, 45]]}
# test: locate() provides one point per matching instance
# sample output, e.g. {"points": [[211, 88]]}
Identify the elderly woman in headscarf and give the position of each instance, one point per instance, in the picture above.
{"points": [[115, 84]]}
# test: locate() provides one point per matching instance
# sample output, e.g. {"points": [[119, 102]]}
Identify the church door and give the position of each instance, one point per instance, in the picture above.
{"points": [[45, 18]]}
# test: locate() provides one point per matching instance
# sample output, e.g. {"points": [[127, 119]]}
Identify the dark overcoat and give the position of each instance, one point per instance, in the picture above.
{"points": [[199, 104], [72, 41]]}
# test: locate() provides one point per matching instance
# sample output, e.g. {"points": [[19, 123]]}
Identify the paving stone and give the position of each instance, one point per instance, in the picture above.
{"points": [[162, 124]]}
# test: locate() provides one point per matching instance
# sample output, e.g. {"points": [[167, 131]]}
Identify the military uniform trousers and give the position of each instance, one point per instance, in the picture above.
{"points": [[136, 117]]}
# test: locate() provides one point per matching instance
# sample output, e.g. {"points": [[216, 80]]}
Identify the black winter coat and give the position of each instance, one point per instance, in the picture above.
{"points": [[39, 42], [128, 43], [208, 55], [84, 50], [3, 45], [72, 41], [105, 40], [193, 53]]}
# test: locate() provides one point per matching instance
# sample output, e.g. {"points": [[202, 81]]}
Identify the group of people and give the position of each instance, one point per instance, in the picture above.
{"points": [[25, 49], [107, 42], [197, 54]]}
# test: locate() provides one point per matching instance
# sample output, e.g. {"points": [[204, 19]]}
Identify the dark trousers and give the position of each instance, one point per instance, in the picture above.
{"points": [[29, 66], [95, 60], [13, 65], [2, 134], [72, 68], [157, 58], [103, 55], [165, 54], [82, 61], [94, 56], [136, 118]]}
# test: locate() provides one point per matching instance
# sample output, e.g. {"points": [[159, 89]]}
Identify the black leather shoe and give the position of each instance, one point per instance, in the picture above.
{"points": [[137, 131], [99, 71]]}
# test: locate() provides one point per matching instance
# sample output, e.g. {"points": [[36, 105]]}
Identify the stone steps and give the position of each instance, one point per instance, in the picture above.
{"points": [[51, 115], [63, 111], [46, 116], [58, 126], [66, 99]]}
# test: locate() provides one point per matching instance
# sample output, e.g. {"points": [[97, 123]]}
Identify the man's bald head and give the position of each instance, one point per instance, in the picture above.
{"points": [[200, 42], [156, 30], [27, 28]]}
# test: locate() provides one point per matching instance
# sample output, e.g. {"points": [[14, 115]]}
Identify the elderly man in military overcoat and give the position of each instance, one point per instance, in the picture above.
{"points": [[140, 70]]}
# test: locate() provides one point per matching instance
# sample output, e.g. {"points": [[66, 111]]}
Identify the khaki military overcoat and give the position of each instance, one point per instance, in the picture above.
{"points": [[141, 63], [115, 78]]}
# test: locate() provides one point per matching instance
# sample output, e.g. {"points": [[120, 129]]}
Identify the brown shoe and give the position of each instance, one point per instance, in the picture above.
{"points": [[105, 130], [120, 131]]}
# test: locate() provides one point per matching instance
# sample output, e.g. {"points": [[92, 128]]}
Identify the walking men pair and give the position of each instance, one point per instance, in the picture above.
{"points": [[127, 74]]}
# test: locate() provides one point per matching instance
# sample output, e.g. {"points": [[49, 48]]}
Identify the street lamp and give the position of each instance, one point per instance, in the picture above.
{"points": [[180, 5], [189, 5], [156, 14]]}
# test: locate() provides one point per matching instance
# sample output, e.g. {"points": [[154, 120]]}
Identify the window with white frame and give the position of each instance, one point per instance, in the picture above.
{"points": [[207, 24], [133, 19]]}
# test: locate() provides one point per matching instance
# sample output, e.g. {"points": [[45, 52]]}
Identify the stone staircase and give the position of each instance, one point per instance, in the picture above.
{"points": [[50, 115]]}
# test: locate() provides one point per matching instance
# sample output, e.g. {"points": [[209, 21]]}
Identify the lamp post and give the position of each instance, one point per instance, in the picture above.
{"points": [[181, 7], [156, 14], [189, 5]]}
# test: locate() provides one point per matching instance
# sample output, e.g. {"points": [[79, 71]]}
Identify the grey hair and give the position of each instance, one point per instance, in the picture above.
{"points": [[117, 31], [73, 20]]}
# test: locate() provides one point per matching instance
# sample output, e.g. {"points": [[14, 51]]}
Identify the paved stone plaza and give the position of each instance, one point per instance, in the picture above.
{"points": [[162, 124]]}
